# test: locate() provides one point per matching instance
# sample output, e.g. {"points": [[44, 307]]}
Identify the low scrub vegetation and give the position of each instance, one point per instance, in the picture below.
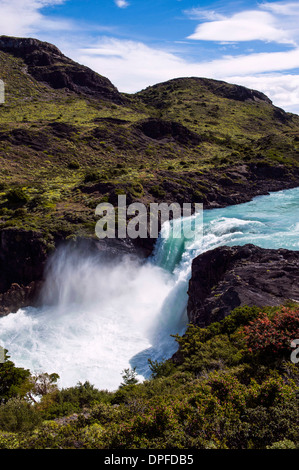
{"points": [[231, 385]]}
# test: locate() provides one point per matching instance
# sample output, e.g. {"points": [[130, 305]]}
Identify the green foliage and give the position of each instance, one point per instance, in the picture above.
{"points": [[129, 377], [157, 191], [74, 399], [73, 165], [12, 379], [17, 196], [9, 440], [136, 189], [54, 435], [216, 395], [161, 369], [284, 444], [40, 385], [92, 176], [17, 415]]}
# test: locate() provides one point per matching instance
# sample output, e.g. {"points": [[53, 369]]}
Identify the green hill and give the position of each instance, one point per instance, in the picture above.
{"points": [[69, 140]]}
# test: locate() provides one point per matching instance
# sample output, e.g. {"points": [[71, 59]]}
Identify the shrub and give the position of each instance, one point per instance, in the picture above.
{"points": [[9, 440], [284, 444], [161, 369], [157, 191], [12, 379], [17, 415], [129, 377], [92, 176], [73, 165], [17, 196], [273, 334], [74, 399]]}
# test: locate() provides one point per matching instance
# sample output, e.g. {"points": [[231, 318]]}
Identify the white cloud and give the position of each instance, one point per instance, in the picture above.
{"points": [[245, 26], [271, 22], [23, 17], [281, 8], [202, 14], [130, 65], [122, 3]]}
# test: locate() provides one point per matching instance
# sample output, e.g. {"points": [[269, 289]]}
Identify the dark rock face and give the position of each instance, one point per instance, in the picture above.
{"points": [[47, 64], [238, 185], [22, 257], [36, 140], [234, 92], [228, 277], [18, 297], [159, 129]]}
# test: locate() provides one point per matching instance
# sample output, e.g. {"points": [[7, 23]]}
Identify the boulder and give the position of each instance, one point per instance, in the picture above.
{"points": [[229, 277]]}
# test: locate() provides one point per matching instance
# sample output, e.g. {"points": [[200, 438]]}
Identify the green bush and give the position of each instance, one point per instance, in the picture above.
{"points": [[284, 444], [92, 176], [17, 415], [73, 165], [157, 191], [74, 399], [9, 440], [12, 379], [17, 196]]}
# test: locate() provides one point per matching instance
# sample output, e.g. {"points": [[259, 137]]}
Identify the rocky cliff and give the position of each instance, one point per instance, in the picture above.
{"points": [[228, 277], [46, 63]]}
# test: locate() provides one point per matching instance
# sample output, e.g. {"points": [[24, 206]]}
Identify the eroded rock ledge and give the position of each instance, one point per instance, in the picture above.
{"points": [[228, 277], [47, 64]]}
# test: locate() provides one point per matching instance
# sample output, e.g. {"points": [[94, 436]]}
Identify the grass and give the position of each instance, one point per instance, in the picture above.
{"points": [[51, 141]]}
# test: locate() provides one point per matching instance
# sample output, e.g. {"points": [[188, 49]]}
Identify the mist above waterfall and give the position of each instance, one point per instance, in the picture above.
{"points": [[95, 316]]}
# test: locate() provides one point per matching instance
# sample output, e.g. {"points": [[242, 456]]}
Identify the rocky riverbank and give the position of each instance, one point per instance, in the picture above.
{"points": [[228, 277]]}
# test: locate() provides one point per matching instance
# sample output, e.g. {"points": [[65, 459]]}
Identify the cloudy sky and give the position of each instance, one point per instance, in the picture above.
{"points": [[137, 43]]}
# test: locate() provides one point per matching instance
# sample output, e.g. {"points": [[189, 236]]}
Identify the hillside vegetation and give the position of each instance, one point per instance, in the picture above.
{"points": [[232, 385], [69, 140]]}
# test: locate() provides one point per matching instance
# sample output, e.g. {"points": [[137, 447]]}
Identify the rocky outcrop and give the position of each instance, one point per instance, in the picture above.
{"points": [[234, 92], [217, 87], [228, 277], [47, 64], [22, 257], [159, 129], [19, 297]]}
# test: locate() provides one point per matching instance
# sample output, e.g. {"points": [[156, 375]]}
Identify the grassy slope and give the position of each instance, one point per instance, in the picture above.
{"points": [[57, 168]]}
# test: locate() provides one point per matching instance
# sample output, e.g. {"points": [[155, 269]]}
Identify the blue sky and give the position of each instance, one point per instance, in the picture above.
{"points": [[137, 43]]}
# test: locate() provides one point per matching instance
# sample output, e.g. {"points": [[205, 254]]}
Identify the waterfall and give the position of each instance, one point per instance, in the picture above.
{"points": [[99, 317]]}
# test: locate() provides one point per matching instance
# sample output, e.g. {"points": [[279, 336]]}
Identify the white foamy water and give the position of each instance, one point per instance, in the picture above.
{"points": [[99, 318]]}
